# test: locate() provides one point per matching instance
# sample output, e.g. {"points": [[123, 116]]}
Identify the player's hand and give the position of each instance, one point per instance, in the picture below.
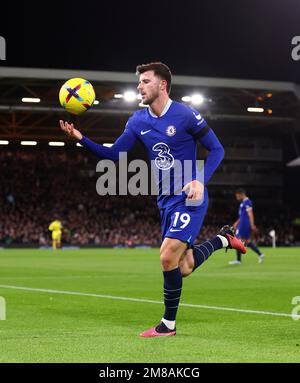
{"points": [[194, 190], [254, 229], [70, 130]]}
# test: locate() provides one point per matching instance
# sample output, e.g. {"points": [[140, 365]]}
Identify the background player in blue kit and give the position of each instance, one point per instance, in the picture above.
{"points": [[169, 132], [245, 226]]}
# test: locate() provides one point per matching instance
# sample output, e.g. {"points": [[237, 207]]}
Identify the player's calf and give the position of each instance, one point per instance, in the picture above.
{"points": [[225, 239], [186, 263], [170, 253], [253, 247], [204, 250]]}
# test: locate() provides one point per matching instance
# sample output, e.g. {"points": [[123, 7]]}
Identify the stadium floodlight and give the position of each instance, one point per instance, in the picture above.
{"points": [[118, 95], [255, 110], [31, 99], [56, 143], [96, 102], [28, 143], [4, 142], [197, 99], [108, 145], [130, 96], [186, 98]]}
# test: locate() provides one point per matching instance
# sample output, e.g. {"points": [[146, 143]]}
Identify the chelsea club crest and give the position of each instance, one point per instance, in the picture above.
{"points": [[171, 130]]}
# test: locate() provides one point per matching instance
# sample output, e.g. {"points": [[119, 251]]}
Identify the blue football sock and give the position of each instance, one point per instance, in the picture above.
{"points": [[203, 251], [254, 248], [172, 292]]}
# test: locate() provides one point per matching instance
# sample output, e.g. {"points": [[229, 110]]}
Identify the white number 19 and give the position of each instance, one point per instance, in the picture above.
{"points": [[184, 218]]}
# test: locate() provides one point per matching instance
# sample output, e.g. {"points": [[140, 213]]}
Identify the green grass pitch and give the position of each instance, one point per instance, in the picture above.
{"points": [[48, 326]]}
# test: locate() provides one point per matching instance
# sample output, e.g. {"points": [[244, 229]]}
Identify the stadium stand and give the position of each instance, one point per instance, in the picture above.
{"points": [[41, 184]]}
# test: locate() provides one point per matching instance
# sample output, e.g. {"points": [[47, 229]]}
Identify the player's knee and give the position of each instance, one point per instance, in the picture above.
{"points": [[170, 254], [168, 258], [167, 261]]}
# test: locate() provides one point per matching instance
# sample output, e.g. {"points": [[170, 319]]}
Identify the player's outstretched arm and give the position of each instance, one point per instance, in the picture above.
{"points": [[123, 144]]}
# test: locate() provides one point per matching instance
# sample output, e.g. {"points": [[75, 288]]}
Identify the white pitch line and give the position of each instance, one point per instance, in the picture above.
{"points": [[220, 308]]}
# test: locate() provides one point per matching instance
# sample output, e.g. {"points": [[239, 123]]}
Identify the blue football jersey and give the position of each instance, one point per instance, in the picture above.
{"points": [[245, 205], [169, 141]]}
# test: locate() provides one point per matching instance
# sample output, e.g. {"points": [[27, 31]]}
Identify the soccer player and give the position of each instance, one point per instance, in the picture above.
{"points": [[245, 225], [56, 228], [170, 131]]}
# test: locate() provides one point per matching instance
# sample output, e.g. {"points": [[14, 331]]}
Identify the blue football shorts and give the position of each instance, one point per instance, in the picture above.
{"points": [[243, 231], [183, 222]]}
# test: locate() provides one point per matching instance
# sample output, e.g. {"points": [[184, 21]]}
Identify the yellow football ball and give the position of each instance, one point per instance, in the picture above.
{"points": [[77, 95]]}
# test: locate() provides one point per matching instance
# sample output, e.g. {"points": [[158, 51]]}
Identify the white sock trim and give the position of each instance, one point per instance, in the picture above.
{"points": [[224, 240], [169, 323]]}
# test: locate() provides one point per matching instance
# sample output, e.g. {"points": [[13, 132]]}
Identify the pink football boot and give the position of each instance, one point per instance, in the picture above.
{"points": [[160, 330]]}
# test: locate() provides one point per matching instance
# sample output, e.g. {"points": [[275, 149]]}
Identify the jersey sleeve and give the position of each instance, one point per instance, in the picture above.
{"points": [[248, 205], [197, 126], [123, 144], [201, 132]]}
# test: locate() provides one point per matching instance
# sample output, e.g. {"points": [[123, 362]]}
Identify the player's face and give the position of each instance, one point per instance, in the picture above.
{"points": [[239, 196], [149, 87]]}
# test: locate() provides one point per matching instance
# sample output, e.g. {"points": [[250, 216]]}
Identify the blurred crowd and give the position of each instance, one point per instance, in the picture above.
{"points": [[38, 186]]}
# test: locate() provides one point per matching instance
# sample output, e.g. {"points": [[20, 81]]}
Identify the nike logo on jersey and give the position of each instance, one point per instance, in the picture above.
{"points": [[198, 116], [145, 132], [175, 230]]}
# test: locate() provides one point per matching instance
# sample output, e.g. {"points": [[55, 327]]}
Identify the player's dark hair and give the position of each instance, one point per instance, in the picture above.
{"points": [[161, 70], [240, 191]]}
